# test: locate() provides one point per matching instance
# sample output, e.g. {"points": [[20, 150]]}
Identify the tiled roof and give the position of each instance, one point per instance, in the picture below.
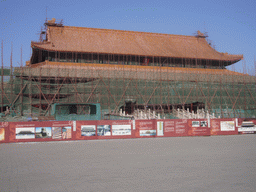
{"points": [[106, 41]]}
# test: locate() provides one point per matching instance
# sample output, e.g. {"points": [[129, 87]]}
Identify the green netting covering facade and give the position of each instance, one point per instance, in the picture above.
{"points": [[32, 92]]}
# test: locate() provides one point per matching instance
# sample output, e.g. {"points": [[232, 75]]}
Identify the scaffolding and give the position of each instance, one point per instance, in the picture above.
{"points": [[30, 91]]}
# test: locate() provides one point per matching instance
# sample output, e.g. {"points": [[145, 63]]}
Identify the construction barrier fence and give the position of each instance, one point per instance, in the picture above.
{"points": [[40, 131]]}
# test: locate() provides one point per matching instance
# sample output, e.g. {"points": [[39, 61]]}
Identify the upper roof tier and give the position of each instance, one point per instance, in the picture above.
{"points": [[107, 41]]}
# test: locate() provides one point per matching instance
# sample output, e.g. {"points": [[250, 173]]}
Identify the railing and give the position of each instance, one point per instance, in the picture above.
{"points": [[186, 114]]}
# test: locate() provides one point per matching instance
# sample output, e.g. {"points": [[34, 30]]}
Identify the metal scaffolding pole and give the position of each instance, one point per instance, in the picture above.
{"points": [[2, 77]]}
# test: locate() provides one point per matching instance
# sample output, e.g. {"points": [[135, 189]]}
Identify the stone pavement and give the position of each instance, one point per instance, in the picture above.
{"points": [[217, 163]]}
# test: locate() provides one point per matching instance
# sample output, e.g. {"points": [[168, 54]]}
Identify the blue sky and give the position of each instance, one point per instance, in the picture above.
{"points": [[231, 25]]}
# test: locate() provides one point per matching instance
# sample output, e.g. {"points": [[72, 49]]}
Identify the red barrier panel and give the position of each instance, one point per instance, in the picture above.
{"points": [[119, 129], [198, 127], [223, 127], [40, 131], [86, 130], [4, 132], [172, 127], [246, 126], [166, 128], [182, 127], [145, 128], [104, 129]]}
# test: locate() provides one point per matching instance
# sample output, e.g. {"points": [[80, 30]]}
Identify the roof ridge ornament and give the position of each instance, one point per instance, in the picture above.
{"points": [[53, 22], [201, 35]]}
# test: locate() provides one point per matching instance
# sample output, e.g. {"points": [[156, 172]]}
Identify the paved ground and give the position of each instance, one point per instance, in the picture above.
{"points": [[218, 163]]}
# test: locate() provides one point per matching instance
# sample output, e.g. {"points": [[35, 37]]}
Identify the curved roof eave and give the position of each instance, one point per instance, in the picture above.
{"points": [[231, 60]]}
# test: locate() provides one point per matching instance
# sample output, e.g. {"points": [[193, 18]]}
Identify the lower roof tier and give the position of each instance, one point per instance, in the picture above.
{"points": [[89, 72]]}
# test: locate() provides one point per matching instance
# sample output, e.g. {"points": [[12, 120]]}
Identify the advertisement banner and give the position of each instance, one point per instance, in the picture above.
{"points": [[172, 127], [86, 130], [198, 127], [181, 127], [62, 129], [40, 131], [223, 127], [145, 128], [160, 128], [121, 129], [2, 134], [169, 128], [111, 129], [246, 126], [4, 127], [227, 126], [115, 129], [25, 133], [104, 130], [147, 132]]}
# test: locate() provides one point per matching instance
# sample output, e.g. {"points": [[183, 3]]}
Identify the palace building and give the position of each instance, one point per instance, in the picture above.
{"points": [[127, 73]]}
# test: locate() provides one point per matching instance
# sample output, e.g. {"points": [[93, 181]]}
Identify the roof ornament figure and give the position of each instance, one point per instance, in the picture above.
{"points": [[53, 22], [201, 35]]}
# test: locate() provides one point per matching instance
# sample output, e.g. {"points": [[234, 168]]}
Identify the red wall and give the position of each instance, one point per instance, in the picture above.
{"points": [[246, 126], [199, 127], [223, 127], [183, 127], [145, 128], [4, 132], [117, 129], [104, 129], [32, 131]]}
